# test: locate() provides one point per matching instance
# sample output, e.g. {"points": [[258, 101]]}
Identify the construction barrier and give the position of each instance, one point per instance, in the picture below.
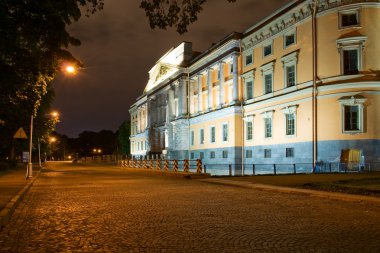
{"points": [[175, 166], [199, 166], [186, 165]]}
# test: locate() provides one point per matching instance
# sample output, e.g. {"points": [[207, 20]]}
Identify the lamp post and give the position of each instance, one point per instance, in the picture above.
{"points": [[69, 69]]}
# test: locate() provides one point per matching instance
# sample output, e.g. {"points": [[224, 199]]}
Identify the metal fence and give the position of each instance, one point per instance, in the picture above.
{"points": [[295, 168]]}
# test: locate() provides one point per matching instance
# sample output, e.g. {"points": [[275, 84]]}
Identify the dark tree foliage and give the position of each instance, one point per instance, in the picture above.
{"points": [[173, 13], [33, 44], [124, 133]]}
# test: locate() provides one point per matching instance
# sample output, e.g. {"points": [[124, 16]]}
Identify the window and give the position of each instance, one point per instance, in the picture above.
{"points": [[212, 154], [218, 74], [267, 83], [268, 127], [225, 132], [202, 136], [201, 155], [248, 153], [212, 134], [289, 39], [349, 19], [248, 59], [289, 152], [352, 113], [225, 154], [249, 127], [267, 153], [231, 68], [249, 89], [267, 50], [351, 118], [192, 155], [290, 75], [290, 120], [192, 138], [350, 62], [351, 54]]}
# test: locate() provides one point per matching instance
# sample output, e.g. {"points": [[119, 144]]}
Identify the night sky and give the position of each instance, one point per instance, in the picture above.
{"points": [[119, 48]]}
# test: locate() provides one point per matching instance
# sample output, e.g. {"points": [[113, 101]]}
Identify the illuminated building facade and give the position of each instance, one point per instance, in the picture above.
{"points": [[300, 86]]}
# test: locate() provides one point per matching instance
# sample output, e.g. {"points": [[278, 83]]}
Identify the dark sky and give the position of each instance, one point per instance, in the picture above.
{"points": [[119, 48]]}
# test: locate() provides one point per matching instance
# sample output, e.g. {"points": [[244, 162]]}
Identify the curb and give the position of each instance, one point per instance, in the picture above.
{"points": [[188, 175], [304, 192], [7, 211]]}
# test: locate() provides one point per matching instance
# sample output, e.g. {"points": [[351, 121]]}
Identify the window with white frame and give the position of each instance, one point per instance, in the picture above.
{"points": [[201, 155], [212, 154], [225, 131], [201, 136], [289, 38], [192, 155], [290, 119], [289, 152], [290, 69], [267, 153], [249, 89], [268, 123], [349, 18], [212, 134], [249, 130], [225, 153], [192, 138], [248, 58], [248, 153], [267, 74], [352, 114], [351, 54], [267, 49]]}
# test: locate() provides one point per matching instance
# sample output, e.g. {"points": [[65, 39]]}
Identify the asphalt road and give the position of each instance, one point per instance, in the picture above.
{"points": [[110, 209]]}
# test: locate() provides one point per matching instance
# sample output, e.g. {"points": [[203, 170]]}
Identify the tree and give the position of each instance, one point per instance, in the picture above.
{"points": [[173, 13], [124, 132], [33, 44]]}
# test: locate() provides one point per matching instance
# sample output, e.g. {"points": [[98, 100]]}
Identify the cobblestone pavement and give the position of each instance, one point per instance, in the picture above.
{"points": [[98, 209]]}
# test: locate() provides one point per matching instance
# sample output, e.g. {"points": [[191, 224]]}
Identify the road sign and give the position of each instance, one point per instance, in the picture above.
{"points": [[20, 134]]}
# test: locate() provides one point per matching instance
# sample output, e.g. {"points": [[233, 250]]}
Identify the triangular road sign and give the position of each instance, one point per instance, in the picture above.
{"points": [[20, 134]]}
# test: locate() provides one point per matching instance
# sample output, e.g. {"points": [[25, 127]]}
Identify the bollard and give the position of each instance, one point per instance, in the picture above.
{"points": [[175, 166], [186, 165], [151, 164], [253, 169], [144, 164], [230, 169], [158, 162], [205, 168], [199, 166], [294, 169], [274, 169], [166, 165]]}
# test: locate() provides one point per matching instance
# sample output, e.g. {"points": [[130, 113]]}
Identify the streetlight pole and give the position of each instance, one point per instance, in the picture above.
{"points": [[29, 172]]}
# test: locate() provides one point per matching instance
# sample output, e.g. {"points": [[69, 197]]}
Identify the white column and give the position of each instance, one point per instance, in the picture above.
{"points": [[209, 89], [221, 84], [199, 92], [171, 102], [182, 103], [235, 87]]}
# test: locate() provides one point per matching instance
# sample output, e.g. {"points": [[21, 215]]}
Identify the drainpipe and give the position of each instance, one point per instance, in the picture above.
{"points": [[242, 111], [315, 90]]}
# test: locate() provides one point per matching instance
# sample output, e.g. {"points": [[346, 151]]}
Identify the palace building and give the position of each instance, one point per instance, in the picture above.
{"points": [[301, 86]]}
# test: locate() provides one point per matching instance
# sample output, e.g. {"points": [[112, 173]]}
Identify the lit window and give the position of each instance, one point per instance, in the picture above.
{"points": [[249, 127], [212, 134], [267, 153], [202, 136], [225, 132], [289, 152]]}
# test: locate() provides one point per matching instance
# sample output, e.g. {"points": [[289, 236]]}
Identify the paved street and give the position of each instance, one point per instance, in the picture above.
{"points": [[110, 209]]}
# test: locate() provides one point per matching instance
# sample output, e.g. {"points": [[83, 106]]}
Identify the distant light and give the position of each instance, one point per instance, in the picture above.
{"points": [[99, 151], [69, 157], [53, 139], [70, 69], [54, 114]]}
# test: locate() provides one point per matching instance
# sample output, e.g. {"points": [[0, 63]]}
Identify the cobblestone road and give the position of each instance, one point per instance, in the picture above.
{"points": [[96, 209]]}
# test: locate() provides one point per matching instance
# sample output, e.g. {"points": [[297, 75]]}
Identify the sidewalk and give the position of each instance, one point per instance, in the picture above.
{"points": [[13, 186]]}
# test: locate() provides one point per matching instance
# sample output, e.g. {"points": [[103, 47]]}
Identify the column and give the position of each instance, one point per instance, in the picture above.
{"points": [[235, 87], [221, 84], [182, 102], [199, 93], [170, 102], [209, 89], [185, 83]]}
